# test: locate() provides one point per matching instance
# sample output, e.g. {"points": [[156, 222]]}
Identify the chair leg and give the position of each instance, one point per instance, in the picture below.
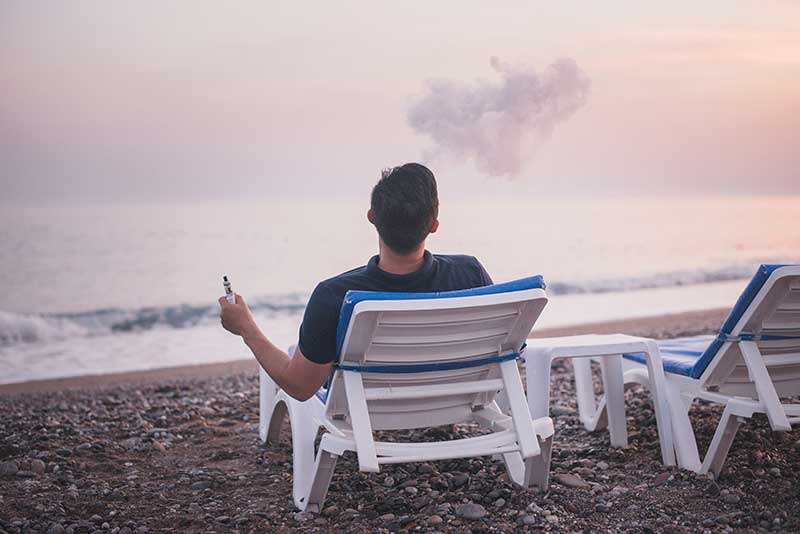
{"points": [[515, 467], [279, 412], [684, 440], [520, 414], [721, 443], [614, 392], [537, 380], [304, 433], [764, 386], [592, 415], [324, 466], [655, 380], [534, 471], [362, 427], [537, 469], [267, 390]]}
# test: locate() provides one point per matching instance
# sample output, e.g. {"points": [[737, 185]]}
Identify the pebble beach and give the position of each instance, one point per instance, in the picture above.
{"points": [[177, 450]]}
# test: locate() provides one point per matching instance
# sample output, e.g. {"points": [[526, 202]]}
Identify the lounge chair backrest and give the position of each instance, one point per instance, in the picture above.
{"points": [[767, 314], [434, 354]]}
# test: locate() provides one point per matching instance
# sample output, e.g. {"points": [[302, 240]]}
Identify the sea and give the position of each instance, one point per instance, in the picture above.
{"points": [[94, 289]]}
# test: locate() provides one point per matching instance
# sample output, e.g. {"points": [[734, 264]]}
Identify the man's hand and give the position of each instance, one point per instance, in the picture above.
{"points": [[236, 318], [296, 375]]}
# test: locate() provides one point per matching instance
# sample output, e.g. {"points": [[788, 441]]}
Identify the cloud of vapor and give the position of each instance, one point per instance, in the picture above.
{"points": [[499, 125]]}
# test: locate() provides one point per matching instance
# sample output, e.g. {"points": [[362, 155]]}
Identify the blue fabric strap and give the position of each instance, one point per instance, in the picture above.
{"points": [[753, 337], [427, 367]]}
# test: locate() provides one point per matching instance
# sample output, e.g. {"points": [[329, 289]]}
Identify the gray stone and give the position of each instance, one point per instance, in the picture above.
{"points": [[38, 467], [55, 528], [470, 511], [201, 485], [444, 508], [731, 499], [302, 517], [570, 480], [661, 478], [459, 479], [618, 491], [535, 508], [330, 510], [558, 410], [528, 519], [136, 444], [435, 520], [8, 468]]}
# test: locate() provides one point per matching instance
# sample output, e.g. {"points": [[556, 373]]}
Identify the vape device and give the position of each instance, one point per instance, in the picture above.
{"points": [[228, 291]]}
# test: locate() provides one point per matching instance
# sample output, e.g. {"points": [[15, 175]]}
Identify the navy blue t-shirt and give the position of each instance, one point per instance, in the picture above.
{"points": [[438, 273]]}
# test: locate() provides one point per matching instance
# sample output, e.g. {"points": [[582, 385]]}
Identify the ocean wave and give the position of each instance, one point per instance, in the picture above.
{"points": [[652, 281], [28, 328], [18, 328], [22, 328]]}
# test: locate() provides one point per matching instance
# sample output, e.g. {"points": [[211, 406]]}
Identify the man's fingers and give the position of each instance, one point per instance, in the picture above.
{"points": [[240, 299], [222, 301]]}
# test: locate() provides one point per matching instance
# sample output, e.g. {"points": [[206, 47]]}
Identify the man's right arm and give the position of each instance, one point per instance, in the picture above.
{"points": [[295, 374], [298, 376]]}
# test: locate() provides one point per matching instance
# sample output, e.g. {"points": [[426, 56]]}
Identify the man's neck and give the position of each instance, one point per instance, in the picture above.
{"points": [[394, 263]]}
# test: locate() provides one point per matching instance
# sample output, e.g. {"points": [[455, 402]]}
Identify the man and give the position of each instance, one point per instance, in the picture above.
{"points": [[404, 209]]}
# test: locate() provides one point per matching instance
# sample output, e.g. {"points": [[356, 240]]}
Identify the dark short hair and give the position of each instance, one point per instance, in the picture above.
{"points": [[404, 205]]}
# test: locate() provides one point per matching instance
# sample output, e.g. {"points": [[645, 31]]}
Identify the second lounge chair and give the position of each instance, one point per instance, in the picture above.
{"points": [[749, 366]]}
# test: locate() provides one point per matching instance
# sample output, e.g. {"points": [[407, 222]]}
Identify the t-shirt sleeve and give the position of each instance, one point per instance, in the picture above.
{"points": [[485, 279], [318, 331]]}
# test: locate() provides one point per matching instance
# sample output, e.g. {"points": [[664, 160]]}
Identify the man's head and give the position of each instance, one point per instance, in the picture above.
{"points": [[405, 207]]}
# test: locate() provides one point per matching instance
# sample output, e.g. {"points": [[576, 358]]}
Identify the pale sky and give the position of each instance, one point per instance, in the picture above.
{"points": [[185, 99]]}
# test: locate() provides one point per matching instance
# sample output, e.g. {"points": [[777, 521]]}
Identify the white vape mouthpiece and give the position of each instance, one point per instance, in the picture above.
{"points": [[228, 291]]}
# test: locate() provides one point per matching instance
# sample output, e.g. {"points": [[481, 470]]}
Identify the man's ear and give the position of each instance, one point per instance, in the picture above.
{"points": [[435, 226], [370, 216]]}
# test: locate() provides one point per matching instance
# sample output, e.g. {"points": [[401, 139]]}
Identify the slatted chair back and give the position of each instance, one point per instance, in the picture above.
{"points": [[766, 317], [428, 359]]}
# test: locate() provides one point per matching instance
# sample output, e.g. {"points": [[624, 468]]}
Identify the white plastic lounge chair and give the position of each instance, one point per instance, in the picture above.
{"points": [[417, 360], [749, 366]]}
